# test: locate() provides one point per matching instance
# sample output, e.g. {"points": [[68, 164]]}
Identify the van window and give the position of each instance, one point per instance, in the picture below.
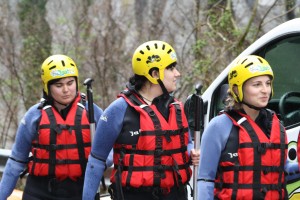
{"points": [[284, 57]]}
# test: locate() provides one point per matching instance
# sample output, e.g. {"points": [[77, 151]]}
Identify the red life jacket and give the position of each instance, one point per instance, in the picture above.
{"points": [[62, 147], [257, 172], [160, 157]]}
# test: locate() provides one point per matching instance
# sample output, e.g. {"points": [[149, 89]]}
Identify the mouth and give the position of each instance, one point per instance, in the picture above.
{"points": [[264, 98]]}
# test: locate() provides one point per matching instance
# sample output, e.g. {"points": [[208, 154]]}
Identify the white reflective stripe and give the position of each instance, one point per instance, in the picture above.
{"points": [[241, 120], [143, 105], [48, 106], [80, 104]]}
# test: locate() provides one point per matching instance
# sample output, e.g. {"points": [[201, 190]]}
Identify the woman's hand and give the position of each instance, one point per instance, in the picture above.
{"points": [[195, 157]]}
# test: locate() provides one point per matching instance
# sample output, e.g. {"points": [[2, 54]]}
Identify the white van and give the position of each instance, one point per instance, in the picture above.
{"points": [[281, 48]]}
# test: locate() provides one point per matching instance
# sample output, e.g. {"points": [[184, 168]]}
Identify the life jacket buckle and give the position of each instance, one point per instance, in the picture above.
{"points": [[161, 171], [52, 147], [60, 127], [158, 152], [262, 148], [167, 135]]}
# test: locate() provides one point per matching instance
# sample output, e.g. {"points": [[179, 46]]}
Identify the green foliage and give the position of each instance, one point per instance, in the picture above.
{"points": [[27, 6], [198, 47], [216, 47], [36, 46]]}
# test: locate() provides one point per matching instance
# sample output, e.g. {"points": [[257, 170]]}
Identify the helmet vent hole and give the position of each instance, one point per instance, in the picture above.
{"points": [[244, 61], [141, 52], [63, 63], [155, 46], [138, 59], [72, 64], [170, 51], [249, 64], [260, 60], [52, 67], [163, 47], [148, 47]]}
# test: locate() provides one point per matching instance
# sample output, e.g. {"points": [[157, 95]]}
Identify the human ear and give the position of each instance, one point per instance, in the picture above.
{"points": [[155, 74]]}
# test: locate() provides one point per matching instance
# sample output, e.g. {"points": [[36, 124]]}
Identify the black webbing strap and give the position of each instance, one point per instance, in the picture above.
{"points": [[34, 152], [118, 178], [134, 99], [158, 174], [153, 168], [166, 132], [57, 161], [282, 162], [59, 146], [64, 127], [52, 139], [79, 138], [130, 166], [152, 152], [182, 140]]}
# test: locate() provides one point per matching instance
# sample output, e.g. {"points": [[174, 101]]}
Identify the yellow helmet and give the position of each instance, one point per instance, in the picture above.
{"points": [[245, 68], [56, 67], [150, 55]]}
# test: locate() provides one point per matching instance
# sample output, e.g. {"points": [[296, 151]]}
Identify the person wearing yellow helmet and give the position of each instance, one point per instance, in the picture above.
{"points": [[56, 132], [148, 130], [245, 69], [53, 70], [245, 147]]}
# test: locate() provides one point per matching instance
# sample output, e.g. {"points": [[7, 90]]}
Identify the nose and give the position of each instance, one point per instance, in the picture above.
{"points": [[65, 88], [266, 87], [177, 74]]}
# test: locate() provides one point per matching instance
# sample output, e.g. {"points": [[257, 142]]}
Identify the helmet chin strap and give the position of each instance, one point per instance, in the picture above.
{"points": [[163, 101], [163, 88], [251, 106]]}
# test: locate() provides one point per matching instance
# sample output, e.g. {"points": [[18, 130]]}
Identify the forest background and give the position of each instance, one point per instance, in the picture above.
{"points": [[101, 36]]}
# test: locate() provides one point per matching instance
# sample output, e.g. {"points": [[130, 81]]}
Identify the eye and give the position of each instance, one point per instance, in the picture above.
{"points": [[70, 82], [58, 85], [292, 151]]}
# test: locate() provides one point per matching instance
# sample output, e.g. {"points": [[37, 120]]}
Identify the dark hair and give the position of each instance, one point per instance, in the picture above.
{"points": [[230, 103], [171, 65], [137, 81]]}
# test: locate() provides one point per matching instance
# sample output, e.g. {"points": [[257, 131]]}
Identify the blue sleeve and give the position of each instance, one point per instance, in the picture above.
{"points": [[97, 111], [108, 129], [213, 142], [26, 132]]}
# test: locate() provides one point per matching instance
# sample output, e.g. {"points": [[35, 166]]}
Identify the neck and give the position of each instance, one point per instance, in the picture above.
{"points": [[149, 91], [59, 106], [251, 112]]}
